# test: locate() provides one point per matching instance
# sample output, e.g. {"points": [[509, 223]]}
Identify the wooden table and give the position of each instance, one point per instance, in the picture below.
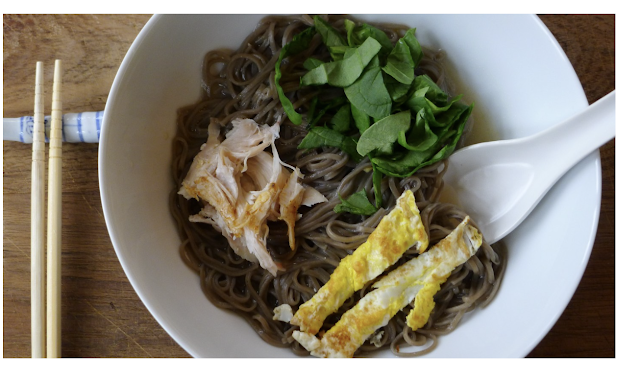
{"points": [[101, 314]]}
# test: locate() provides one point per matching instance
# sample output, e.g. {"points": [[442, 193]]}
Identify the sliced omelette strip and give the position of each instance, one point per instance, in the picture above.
{"points": [[397, 232], [434, 267], [418, 279], [355, 326]]}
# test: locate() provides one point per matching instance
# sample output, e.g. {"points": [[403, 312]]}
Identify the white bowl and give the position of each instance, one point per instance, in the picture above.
{"points": [[511, 67]]}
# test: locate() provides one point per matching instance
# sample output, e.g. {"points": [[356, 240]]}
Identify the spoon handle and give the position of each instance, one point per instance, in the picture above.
{"points": [[570, 141]]}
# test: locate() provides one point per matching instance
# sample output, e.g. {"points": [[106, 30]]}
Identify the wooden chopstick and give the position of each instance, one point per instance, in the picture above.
{"points": [[38, 222], [54, 214]]}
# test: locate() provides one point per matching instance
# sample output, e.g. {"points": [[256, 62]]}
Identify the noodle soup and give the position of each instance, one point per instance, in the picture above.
{"points": [[242, 84]]}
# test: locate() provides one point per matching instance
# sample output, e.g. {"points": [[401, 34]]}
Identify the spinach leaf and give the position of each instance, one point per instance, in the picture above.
{"points": [[402, 61], [414, 122], [361, 119], [405, 164], [338, 52], [377, 185], [341, 121], [323, 136], [326, 107], [420, 136], [414, 46], [312, 63], [400, 64], [441, 122], [418, 103], [320, 137], [369, 94], [299, 43], [396, 89], [312, 111], [456, 132], [349, 145], [350, 26], [343, 72], [382, 135], [424, 87], [402, 166], [357, 34], [444, 119], [330, 36], [357, 203]]}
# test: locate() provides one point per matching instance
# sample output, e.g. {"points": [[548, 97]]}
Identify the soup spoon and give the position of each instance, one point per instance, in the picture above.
{"points": [[499, 183]]}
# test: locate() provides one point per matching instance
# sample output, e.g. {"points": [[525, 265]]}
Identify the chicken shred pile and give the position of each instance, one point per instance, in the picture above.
{"points": [[243, 186]]}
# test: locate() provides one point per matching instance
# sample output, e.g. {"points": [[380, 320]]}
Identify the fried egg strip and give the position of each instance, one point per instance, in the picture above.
{"points": [[418, 279], [434, 268], [397, 231]]}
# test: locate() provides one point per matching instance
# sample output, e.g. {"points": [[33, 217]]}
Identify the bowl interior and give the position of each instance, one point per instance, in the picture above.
{"points": [[509, 65]]}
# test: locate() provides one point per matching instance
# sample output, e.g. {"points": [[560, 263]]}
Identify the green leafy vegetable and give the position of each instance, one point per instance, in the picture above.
{"points": [[415, 124], [339, 52], [326, 137], [456, 132], [343, 72], [350, 26], [369, 94], [382, 135], [360, 118], [405, 164], [331, 37], [349, 145], [357, 34], [397, 90], [414, 46], [416, 104], [312, 110], [424, 87], [357, 203], [420, 136], [312, 63], [320, 137], [377, 185], [299, 43], [325, 108], [341, 121], [400, 64]]}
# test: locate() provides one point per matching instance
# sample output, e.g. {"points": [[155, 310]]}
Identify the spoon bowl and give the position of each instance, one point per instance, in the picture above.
{"points": [[499, 183]]}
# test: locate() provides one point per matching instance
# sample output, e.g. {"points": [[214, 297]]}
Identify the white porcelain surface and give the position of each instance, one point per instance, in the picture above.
{"points": [[498, 183], [512, 68]]}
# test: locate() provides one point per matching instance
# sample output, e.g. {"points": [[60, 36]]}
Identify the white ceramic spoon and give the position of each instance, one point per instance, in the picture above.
{"points": [[499, 183]]}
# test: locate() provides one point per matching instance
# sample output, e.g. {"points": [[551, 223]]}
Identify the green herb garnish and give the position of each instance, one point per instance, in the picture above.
{"points": [[299, 43], [342, 73], [357, 203], [381, 137], [369, 94], [326, 137], [400, 121]]}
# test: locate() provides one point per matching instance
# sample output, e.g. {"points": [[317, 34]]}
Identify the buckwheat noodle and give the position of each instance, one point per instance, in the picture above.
{"points": [[240, 84]]}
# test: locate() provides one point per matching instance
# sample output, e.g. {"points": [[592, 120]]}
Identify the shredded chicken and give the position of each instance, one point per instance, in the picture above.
{"points": [[243, 186]]}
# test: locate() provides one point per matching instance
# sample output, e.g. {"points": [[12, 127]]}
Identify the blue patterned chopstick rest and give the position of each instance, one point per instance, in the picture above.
{"points": [[76, 128]]}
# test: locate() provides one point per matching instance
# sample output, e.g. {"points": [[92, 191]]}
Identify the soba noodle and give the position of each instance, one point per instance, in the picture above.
{"points": [[240, 84]]}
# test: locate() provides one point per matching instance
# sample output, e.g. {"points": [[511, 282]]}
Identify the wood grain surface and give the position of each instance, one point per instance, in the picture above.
{"points": [[101, 314]]}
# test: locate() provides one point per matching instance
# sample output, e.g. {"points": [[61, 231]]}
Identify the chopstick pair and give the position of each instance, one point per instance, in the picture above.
{"points": [[54, 225]]}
